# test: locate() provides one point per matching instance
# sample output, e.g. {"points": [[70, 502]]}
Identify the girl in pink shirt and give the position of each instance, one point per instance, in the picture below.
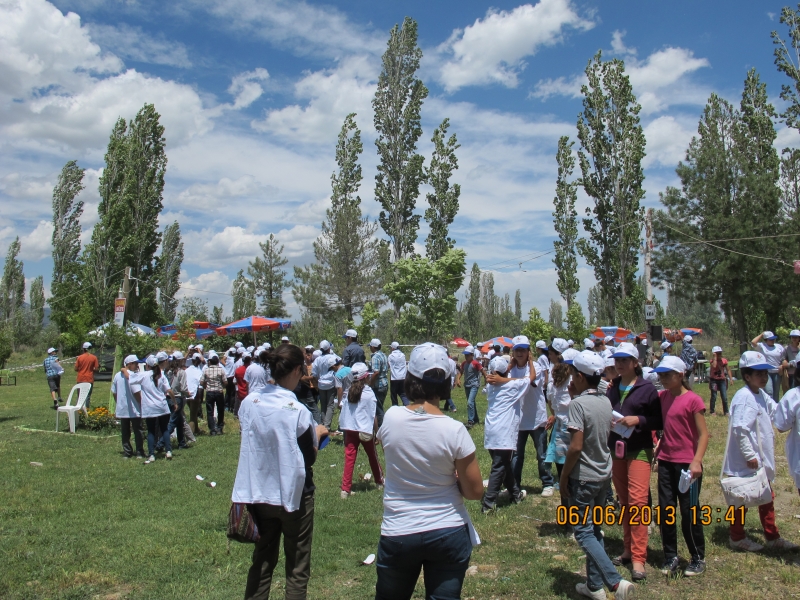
{"points": [[682, 447]]}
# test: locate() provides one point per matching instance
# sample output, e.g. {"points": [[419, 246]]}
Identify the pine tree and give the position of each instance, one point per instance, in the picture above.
{"points": [[269, 278], [67, 211], [169, 270], [444, 199], [36, 302], [244, 297], [397, 105], [565, 222]]}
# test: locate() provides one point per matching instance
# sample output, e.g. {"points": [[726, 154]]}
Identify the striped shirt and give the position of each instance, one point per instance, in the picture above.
{"points": [[213, 379]]}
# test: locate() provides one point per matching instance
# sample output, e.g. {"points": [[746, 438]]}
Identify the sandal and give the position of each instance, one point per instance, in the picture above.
{"points": [[618, 561], [638, 575]]}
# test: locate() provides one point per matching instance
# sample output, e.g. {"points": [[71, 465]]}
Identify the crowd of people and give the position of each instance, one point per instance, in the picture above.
{"points": [[606, 416]]}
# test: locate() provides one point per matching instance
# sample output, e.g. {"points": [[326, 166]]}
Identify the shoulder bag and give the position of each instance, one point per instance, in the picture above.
{"points": [[241, 526], [745, 491]]}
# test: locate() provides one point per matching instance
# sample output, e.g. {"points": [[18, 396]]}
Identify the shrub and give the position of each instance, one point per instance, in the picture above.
{"points": [[99, 418]]}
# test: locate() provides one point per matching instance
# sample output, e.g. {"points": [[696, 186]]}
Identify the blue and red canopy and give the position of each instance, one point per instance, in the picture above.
{"points": [[254, 324]]}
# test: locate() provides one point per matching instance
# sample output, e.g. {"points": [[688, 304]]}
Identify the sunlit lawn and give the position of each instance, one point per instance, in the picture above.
{"points": [[89, 524]]}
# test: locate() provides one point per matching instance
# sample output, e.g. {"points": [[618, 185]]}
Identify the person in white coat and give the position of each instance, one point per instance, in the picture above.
{"points": [[397, 373], [274, 476], [152, 389], [359, 422], [752, 410], [787, 418], [128, 411]]}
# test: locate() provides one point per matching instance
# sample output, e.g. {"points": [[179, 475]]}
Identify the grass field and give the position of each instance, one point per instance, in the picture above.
{"points": [[89, 524]]}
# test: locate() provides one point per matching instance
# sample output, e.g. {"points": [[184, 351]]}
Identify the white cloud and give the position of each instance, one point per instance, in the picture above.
{"points": [[38, 244], [245, 87], [618, 45], [132, 43], [214, 285], [493, 48], [560, 86], [667, 138]]}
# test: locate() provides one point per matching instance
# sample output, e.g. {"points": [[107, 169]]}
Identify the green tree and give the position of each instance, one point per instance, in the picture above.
{"points": [[489, 305], [443, 202], [169, 270], [565, 222], [427, 289], [555, 317], [36, 302], [473, 304], [218, 315], [518, 305], [6, 343], [348, 266], [397, 105], [12, 285], [269, 278], [576, 323], [67, 211], [244, 296], [193, 309], [369, 317], [536, 328], [786, 59], [611, 153], [729, 190]]}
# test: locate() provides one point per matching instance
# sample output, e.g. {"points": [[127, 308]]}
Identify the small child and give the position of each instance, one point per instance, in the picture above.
{"points": [[358, 422]]}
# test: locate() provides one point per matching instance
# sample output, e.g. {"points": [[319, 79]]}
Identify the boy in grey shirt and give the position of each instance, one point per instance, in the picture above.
{"points": [[587, 474]]}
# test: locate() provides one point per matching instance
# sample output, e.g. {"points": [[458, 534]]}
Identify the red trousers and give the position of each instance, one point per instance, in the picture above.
{"points": [[351, 442], [766, 513]]}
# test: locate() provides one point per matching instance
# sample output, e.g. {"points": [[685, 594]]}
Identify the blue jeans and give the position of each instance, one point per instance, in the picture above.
{"points": [[599, 568], [472, 410], [176, 419], [443, 553], [380, 396], [722, 386], [540, 443], [774, 386], [154, 424]]}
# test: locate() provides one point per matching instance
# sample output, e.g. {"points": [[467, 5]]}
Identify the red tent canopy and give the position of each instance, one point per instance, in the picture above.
{"points": [[460, 342]]}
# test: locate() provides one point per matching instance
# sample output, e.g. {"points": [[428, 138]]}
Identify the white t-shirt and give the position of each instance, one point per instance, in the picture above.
{"points": [[543, 363], [397, 365], [256, 377], [230, 367], [193, 375], [271, 467], [501, 427], [359, 416], [559, 398], [127, 406], [321, 369], [787, 418], [773, 355], [747, 409], [154, 401], [420, 491], [534, 404]]}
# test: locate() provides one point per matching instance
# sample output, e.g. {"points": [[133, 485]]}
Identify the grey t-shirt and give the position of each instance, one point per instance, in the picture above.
{"points": [[789, 354], [591, 414]]}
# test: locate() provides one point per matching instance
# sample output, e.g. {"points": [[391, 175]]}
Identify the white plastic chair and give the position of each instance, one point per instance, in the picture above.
{"points": [[83, 394]]}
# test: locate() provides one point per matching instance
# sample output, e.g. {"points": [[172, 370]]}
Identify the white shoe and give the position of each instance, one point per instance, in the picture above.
{"points": [[782, 544], [745, 545], [150, 459], [625, 590], [169, 455], [379, 486], [547, 492], [345, 495], [583, 590]]}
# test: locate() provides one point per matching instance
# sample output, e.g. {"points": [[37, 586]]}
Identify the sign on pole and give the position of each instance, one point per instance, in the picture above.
{"points": [[649, 312], [119, 311]]}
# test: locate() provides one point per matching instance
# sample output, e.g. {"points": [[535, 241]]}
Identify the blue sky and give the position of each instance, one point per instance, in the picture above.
{"points": [[253, 92]]}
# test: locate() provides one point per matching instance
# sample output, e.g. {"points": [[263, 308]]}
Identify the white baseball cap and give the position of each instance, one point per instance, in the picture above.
{"points": [[285, 338], [266, 346], [375, 343], [131, 358], [499, 364], [626, 350], [238, 345], [246, 354], [350, 333], [754, 360], [429, 356], [258, 351], [520, 341], [469, 350], [670, 363], [608, 339], [51, 350], [589, 363], [359, 371], [768, 335], [309, 347], [716, 349], [569, 355], [396, 345], [191, 346], [559, 345], [231, 350], [571, 343], [608, 361], [316, 353], [250, 349], [177, 355], [162, 356], [687, 338], [644, 342], [588, 344], [151, 361], [87, 345], [541, 344], [324, 345], [665, 345], [794, 333], [199, 347]]}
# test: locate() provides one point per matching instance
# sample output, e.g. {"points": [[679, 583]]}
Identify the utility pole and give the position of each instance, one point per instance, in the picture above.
{"points": [[649, 307], [123, 296]]}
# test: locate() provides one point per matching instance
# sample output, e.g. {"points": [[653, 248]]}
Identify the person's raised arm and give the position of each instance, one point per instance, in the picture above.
{"points": [[468, 474], [755, 340]]}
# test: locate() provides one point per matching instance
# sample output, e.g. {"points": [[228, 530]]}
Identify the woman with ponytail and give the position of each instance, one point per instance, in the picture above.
{"points": [[274, 477], [151, 389], [359, 423]]}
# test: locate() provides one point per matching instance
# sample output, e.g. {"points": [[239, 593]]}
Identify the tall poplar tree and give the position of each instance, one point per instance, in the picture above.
{"points": [[269, 278], [12, 285], [565, 221], [67, 211], [610, 157], [518, 305], [397, 105], [169, 270], [473, 307], [443, 202], [244, 296], [36, 302]]}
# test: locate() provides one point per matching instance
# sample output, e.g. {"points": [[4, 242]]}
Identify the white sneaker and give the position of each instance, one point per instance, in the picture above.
{"points": [[625, 590], [169, 455], [150, 459], [345, 495], [583, 590], [782, 544], [547, 492], [745, 545]]}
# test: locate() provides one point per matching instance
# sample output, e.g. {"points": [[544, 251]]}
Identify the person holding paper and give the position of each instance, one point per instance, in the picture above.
{"points": [[636, 400], [681, 450]]}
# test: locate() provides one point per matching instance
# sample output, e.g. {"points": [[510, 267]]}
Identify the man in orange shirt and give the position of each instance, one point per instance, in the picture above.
{"points": [[86, 365]]}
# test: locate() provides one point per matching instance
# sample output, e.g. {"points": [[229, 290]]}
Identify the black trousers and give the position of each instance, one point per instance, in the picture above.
{"points": [[230, 395], [125, 426], [215, 399], [397, 390], [668, 495], [501, 473]]}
